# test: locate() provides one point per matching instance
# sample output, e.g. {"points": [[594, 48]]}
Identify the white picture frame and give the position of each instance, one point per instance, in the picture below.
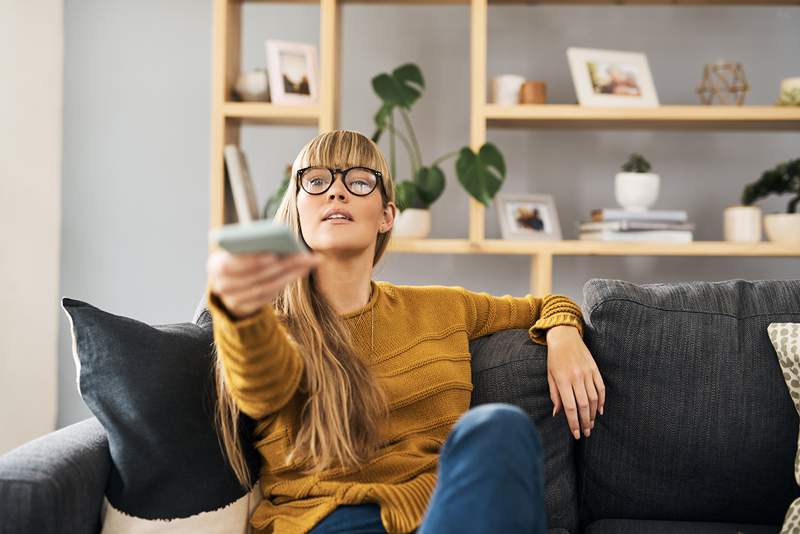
{"points": [[541, 222], [611, 78], [293, 72]]}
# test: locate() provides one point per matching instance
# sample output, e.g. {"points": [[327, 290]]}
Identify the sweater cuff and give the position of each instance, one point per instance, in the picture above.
{"points": [[244, 332], [556, 311]]}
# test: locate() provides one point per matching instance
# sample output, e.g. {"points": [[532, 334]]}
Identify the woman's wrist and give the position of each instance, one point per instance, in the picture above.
{"points": [[561, 332]]}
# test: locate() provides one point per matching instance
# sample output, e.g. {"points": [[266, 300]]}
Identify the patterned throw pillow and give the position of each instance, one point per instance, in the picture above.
{"points": [[152, 389], [785, 338]]}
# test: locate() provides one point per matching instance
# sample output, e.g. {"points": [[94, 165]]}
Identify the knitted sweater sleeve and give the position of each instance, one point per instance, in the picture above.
{"points": [[262, 363], [486, 314]]}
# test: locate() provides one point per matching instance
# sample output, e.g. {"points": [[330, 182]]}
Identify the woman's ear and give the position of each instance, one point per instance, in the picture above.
{"points": [[389, 212]]}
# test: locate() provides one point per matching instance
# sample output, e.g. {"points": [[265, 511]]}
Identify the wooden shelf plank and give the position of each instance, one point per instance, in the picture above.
{"points": [[591, 248], [535, 2], [271, 113], [690, 117]]}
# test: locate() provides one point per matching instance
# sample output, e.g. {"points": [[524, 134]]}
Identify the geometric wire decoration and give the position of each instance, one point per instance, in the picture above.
{"points": [[724, 80]]}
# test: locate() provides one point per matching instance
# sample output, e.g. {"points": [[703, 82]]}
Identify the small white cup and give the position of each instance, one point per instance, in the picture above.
{"points": [[505, 89], [743, 224]]}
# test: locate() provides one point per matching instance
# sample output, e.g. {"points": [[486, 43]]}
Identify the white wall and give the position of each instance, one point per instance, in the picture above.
{"points": [[31, 88], [137, 94]]}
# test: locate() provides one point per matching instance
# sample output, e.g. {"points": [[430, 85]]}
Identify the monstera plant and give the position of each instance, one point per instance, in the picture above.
{"points": [[481, 174]]}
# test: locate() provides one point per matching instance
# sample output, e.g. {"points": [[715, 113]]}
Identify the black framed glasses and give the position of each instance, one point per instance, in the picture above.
{"points": [[360, 181]]}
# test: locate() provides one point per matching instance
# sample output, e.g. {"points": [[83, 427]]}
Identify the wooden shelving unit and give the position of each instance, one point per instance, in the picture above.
{"points": [[227, 118]]}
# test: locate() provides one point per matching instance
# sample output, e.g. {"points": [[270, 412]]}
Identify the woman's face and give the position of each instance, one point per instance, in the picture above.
{"points": [[365, 217]]}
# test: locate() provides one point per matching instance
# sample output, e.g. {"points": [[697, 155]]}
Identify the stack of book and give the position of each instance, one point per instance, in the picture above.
{"points": [[609, 224]]}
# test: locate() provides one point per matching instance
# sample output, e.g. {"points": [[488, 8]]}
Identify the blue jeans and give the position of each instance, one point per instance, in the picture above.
{"points": [[491, 479]]}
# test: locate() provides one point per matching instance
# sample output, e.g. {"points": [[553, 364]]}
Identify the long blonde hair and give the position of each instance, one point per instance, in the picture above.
{"points": [[343, 407]]}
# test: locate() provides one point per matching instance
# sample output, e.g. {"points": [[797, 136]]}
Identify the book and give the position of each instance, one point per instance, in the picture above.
{"points": [[627, 225], [615, 214], [238, 173], [676, 236]]}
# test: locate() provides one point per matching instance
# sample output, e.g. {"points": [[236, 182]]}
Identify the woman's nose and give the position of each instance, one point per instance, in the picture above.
{"points": [[338, 188]]}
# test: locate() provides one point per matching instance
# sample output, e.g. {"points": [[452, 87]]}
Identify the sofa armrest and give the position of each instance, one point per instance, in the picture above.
{"points": [[56, 483]]}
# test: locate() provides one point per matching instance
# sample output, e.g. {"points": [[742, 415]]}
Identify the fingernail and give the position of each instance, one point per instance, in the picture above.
{"points": [[601, 410], [592, 425], [586, 432], [577, 434], [554, 411]]}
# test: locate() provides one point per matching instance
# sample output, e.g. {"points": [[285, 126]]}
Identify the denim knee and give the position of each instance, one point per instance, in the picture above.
{"points": [[499, 421]]}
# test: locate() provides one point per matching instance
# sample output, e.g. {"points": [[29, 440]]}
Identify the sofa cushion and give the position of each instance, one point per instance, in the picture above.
{"points": [[508, 367], [785, 338], [697, 423], [151, 387], [638, 526]]}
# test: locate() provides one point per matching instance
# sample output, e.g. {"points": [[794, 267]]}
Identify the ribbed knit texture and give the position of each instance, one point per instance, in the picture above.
{"points": [[421, 358]]}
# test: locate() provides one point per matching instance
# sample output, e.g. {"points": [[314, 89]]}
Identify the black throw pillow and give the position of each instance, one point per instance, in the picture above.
{"points": [[152, 389]]}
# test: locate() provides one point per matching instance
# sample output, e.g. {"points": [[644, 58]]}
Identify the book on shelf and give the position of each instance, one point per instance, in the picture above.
{"points": [[627, 225], [672, 236], [238, 173], [618, 214]]}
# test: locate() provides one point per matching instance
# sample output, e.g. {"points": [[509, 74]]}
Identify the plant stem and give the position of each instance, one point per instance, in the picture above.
{"points": [[793, 205], [414, 163], [407, 120], [450, 155], [391, 144]]}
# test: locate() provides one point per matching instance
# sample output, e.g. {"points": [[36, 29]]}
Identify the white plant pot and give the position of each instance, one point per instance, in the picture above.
{"points": [[253, 86], [783, 227], [412, 223], [636, 191], [742, 223]]}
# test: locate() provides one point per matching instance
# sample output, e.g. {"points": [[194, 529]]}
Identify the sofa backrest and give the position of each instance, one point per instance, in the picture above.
{"points": [[698, 422]]}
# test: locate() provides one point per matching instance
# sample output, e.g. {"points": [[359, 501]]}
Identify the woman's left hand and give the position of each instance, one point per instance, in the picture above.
{"points": [[574, 379]]}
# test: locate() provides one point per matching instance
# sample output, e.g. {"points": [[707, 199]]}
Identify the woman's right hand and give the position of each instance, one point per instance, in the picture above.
{"points": [[245, 283]]}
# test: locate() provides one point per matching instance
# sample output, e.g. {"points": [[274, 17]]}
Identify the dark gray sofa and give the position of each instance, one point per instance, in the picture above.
{"points": [[699, 432]]}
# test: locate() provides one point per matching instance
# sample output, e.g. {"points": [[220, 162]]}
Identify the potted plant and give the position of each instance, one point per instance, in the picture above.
{"points": [[636, 188], [481, 174], [784, 178]]}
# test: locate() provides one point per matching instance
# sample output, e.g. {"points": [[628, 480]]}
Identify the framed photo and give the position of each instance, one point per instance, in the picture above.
{"points": [[292, 72], [611, 78], [528, 217]]}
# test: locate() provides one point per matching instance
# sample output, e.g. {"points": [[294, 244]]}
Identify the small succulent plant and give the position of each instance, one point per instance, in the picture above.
{"points": [[636, 163]]}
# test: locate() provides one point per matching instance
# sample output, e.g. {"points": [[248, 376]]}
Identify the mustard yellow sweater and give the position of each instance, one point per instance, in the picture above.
{"points": [[421, 358]]}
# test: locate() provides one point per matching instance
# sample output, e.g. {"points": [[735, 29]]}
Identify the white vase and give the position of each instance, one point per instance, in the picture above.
{"points": [[253, 86], [783, 227], [742, 223], [412, 223], [636, 191], [505, 89]]}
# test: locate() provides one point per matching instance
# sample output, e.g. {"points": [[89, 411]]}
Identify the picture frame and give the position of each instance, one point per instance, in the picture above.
{"points": [[611, 78], [293, 72], [528, 216]]}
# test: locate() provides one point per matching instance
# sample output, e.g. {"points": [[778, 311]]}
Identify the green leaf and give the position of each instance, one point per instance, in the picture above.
{"points": [[406, 195], [430, 184], [481, 174], [402, 88]]}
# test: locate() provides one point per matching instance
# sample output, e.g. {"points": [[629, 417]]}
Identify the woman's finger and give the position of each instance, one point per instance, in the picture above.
{"points": [[591, 394], [601, 390], [554, 395], [264, 292], [243, 283], [570, 407], [583, 404]]}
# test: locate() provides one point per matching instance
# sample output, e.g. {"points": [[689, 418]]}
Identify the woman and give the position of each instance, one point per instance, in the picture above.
{"points": [[361, 389]]}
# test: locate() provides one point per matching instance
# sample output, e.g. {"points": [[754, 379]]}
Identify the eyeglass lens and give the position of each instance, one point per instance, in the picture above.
{"points": [[358, 181]]}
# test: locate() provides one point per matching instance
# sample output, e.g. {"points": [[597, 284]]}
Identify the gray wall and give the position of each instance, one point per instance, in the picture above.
{"points": [[136, 138]]}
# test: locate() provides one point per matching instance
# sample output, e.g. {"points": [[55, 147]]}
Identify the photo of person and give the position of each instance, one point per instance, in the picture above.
{"points": [[294, 71], [527, 216], [613, 78]]}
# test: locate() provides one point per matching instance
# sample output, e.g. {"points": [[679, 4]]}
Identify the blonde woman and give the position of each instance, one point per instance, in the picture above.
{"points": [[360, 389]]}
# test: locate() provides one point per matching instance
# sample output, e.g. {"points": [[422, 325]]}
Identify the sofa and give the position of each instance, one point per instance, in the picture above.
{"points": [[699, 433]]}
